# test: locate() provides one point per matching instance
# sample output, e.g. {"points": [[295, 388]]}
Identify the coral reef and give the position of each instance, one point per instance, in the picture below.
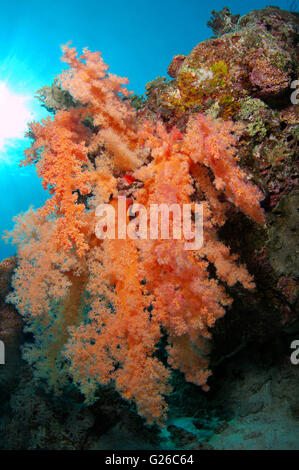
{"points": [[227, 77], [98, 308], [257, 60], [144, 315]]}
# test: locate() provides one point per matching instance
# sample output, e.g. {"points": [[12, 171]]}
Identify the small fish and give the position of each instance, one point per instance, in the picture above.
{"points": [[129, 178]]}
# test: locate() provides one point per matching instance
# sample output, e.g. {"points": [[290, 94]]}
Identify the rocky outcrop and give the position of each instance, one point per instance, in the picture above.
{"points": [[11, 334]]}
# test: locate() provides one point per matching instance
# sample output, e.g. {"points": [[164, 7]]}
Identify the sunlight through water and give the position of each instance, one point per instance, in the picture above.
{"points": [[14, 116]]}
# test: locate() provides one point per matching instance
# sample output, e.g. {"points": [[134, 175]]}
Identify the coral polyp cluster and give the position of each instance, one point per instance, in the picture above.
{"points": [[98, 309]]}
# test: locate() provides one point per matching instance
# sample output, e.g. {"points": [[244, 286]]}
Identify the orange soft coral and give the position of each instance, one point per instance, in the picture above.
{"points": [[89, 82], [98, 308], [212, 144], [60, 154], [118, 342]]}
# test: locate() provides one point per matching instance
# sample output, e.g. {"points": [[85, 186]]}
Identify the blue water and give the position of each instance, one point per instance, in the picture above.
{"points": [[137, 39]]}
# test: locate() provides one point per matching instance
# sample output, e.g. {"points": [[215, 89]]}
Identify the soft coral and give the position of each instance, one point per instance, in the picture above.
{"points": [[107, 303]]}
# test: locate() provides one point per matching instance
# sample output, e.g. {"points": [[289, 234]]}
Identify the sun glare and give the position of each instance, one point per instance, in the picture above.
{"points": [[14, 116]]}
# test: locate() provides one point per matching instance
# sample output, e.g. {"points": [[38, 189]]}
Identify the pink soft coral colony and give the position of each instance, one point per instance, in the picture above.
{"points": [[98, 308]]}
